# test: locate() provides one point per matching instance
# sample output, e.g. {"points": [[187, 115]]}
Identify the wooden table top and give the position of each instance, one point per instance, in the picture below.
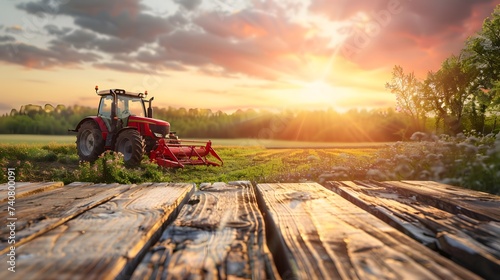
{"points": [[237, 230]]}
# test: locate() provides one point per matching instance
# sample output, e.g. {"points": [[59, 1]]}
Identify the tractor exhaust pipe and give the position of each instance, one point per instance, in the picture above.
{"points": [[150, 109]]}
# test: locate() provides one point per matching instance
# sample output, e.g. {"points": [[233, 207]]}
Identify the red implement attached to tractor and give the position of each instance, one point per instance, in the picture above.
{"points": [[177, 155], [123, 124]]}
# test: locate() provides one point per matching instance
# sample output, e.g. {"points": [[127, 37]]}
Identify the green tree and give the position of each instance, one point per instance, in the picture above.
{"points": [[483, 50], [448, 91], [409, 98]]}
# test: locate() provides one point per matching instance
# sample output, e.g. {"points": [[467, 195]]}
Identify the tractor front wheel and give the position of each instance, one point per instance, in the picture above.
{"points": [[89, 141], [131, 145]]}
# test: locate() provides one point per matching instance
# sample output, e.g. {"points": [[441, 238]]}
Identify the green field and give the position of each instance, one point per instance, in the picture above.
{"points": [[471, 162], [51, 158], [36, 139], [266, 143]]}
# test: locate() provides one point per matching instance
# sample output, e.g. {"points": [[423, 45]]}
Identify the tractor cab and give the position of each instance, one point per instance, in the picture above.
{"points": [[119, 105], [120, 109]]}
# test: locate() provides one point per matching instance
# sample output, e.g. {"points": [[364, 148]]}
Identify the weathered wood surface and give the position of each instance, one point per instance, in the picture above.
{"points": [[227, 231], [315, 233], [472, 243], [219, 234], [41, 212], [478, 205], [104, 242], [27, 188]]}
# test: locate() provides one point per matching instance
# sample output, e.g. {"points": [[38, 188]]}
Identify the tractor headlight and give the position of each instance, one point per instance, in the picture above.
{"points": [[159, 131]]}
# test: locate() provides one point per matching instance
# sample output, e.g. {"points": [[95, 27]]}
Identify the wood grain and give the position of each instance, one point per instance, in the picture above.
{"points": [[104, 242], [478, 205], [472, 243], [27, 188], [43, 211], [320, 235], [219, 234]]}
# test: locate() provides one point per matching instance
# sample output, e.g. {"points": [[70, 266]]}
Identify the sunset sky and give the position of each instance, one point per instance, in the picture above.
{"points": [[226, 54]]}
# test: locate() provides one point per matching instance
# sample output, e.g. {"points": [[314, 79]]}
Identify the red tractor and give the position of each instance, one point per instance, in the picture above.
{"points": [[123, 124]]}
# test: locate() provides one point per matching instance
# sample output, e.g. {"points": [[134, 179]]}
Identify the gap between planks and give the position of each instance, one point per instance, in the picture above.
{"points": [[472, 243], [219, 234]]}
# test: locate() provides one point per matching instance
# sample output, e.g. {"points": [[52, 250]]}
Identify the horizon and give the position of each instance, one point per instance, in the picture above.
{"points": [[229, 112], [224, 54]]}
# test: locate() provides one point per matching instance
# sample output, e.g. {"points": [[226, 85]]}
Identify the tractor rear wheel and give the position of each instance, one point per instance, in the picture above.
{"points": [[89, 141], [131, 145]]}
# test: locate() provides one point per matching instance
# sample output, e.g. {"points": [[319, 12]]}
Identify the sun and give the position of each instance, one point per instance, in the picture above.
{"points": [[316, 92]]}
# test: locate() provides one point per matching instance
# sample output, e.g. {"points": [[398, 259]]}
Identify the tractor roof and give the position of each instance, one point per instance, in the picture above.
{"points": [[121, 92]]}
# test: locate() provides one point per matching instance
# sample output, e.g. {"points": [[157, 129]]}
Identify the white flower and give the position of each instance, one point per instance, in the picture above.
{"points": [[375, 174], [468, 148], [424, 175], [431, 157], [418, 136], [404, 170], [472, 140]]}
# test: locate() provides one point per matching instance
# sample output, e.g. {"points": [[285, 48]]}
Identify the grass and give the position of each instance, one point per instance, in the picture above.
{"points": [[246, 142], [471, 161], [36, 139], [50, 162]]}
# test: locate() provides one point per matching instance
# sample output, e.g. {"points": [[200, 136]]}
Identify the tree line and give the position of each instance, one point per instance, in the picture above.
{"points": [[301, 125], [464, 94]]}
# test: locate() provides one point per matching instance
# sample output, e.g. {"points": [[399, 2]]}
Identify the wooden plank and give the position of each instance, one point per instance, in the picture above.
{"points": [[477, 205], [472, 243], [44, 211], [402, 216], [219, 234], [320, 235], [27, 188], [105, 242]]}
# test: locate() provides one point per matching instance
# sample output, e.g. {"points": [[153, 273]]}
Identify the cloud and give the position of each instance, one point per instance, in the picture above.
{"points": [[156, 59], [142, 27], [417, 17], [7, 38], [245, 24], [26, 55], [189, 4], [57, 31], [38, 58], [259, 41], [263, 39], [79, 39], [117, 18], [89, 7], [16, 29], [204, 50], [382, 35], [82, 39], [38, 8], [249, 42], [123, 67], [110, 27]]}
